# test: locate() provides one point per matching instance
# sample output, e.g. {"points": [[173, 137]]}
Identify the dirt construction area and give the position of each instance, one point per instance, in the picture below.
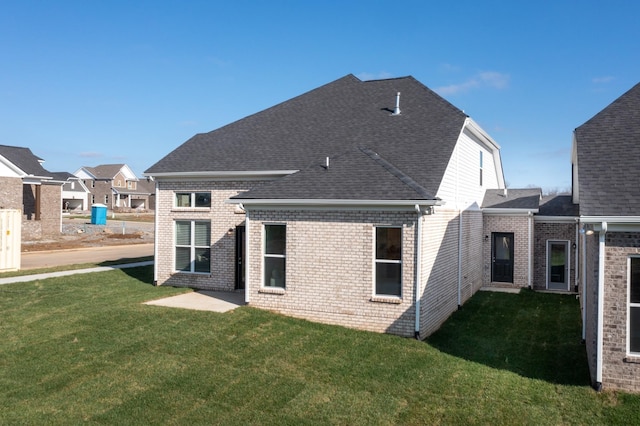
{"points": [[78, 232]]}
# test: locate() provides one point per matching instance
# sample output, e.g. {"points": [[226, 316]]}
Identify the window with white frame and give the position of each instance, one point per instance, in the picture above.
{"points": [[131, 185], [388, 273], [118, 184], [633, 313], [93, 199], [275, 252], [193, 246], [193, 199], [481, 167], [106, 200]]}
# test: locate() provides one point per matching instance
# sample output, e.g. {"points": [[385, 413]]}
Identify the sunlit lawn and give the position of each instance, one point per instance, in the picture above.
{"points": [[84, 349]]}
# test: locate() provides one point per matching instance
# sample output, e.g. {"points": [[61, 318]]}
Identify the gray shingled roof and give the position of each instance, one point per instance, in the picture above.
{"points": [[105, 171], [608, 148], [527, 198], [356, 174], [347, 113], [558, 205], [24, 159]]}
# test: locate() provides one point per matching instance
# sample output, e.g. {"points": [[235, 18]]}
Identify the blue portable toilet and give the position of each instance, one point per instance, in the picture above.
{"points": [[98, 214]]}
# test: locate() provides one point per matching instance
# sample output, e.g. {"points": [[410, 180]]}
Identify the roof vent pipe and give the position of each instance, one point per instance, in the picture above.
{"points": [[396, 110]]}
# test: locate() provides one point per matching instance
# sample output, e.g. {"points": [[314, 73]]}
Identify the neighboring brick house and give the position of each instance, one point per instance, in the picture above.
{"points": [[26, 185], [75, 195], [357, 203], [116, 186], [606, 184]]}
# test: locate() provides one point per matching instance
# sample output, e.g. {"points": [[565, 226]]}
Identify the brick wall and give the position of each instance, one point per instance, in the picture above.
{"points": [[329, 269], [618, 372], [544, 232], [519, 226], [10, 193], [589, 300], [224, 220], [50, 221]]}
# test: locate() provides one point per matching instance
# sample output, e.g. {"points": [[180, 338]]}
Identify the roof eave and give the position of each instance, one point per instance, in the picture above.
{"points": [[333, 202], [232, 174], [507, 211]]}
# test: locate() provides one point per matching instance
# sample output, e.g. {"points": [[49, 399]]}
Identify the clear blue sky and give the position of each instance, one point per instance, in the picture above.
{"points": [[99, 82]]}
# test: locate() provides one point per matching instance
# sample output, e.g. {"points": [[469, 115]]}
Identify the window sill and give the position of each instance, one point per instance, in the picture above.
{"points": [[395, 300], [203, 274], [632, 359], [191, 209], [272, 290]]}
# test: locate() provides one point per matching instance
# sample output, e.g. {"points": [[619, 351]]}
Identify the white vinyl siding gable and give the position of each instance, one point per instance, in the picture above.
{"points": [[460, 186]]}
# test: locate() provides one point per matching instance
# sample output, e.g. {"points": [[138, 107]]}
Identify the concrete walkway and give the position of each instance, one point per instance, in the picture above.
{"points": [[34, 277]]}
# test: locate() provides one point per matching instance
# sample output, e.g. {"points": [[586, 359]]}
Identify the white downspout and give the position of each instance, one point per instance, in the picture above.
{"points": [[155, 243], [418, 271], [246, 257], [529, 255], [584, 285], [601, 254], [459, 259], [576, 278]]}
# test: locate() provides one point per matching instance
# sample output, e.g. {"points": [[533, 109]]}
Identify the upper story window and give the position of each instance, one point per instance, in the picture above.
{"points": [[481, 166], [118, 184], [388, 273], [193, 199], [106, 199], [93, 183], [275, 253], [633, 312]]}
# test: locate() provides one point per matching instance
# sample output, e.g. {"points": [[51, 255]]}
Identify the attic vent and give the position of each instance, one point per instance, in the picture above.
{"points": [[396, 110]]}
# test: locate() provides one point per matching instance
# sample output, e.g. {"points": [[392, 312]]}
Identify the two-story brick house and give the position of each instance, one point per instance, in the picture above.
{"points": [[357, 203], [116, 186]]}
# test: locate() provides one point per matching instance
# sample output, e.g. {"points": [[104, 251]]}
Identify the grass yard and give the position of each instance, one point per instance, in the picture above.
{"points": [[83, 349]]}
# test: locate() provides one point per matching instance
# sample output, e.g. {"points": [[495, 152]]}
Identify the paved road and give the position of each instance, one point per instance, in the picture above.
{"points": [[47, 259]]}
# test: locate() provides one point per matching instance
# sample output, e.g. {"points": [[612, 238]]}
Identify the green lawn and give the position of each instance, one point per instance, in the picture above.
{"points": [[83, 349]]}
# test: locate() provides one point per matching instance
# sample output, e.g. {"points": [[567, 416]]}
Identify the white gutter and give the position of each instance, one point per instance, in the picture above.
{"points": [[246, 258], [600, 337], [222, 174], [529, 251], [332, 202], [418, 288], [610, 219], [510, 212], [555, 219]]}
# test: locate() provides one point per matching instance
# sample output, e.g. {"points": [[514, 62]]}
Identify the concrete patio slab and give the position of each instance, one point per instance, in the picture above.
{"points": [[215, 301]]}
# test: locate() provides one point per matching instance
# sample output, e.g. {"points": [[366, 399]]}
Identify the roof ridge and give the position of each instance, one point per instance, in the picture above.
{"points": [[403, 177]]}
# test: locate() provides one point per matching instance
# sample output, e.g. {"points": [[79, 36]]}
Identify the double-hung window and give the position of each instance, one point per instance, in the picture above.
{"points": [[388, 264], [275, 251], [633, 330], [193, 246], [193, 199], [481, 167]]}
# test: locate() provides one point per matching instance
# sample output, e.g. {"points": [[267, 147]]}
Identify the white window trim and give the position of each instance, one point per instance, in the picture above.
{"points": [[263, 285], [386, 297], [192, 201], [629, 306], [481, 169], [192, 247]]}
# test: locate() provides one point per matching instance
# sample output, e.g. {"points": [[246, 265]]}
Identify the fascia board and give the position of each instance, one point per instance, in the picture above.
{"points": [[508, 212], [610, 219], [226, 175], [555, 219], [478, 132], [333, 203]]}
